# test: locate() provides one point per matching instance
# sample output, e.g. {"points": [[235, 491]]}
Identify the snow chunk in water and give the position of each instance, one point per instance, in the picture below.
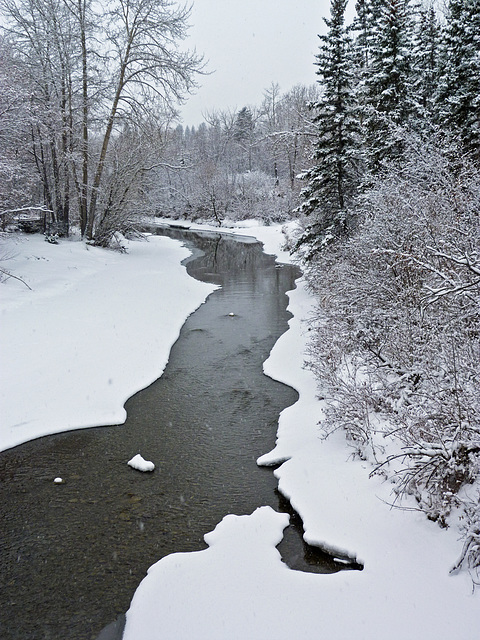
{"points": [[140, 464]]}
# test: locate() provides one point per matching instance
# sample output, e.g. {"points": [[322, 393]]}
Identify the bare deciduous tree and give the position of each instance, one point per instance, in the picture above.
{"points": [[145, 65], [92, 69]]}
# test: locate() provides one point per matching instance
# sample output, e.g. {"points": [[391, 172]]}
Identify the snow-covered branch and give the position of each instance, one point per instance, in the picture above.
{"points": [[28, 209]]}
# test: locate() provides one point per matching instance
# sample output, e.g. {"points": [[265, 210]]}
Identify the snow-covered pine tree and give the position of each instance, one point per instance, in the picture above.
{"points": [[425, 66], [458, 97], [388, 83], [362, 31], [363, 28], [244, 125], [332, 180], [243, 130]]}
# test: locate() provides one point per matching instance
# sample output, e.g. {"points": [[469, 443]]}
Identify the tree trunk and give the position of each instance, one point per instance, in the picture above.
{"points": [[106, 140], [83, 195]]}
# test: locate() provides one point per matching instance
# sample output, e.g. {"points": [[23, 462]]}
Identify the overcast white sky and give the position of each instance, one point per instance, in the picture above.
{"points": [[250, 44]]}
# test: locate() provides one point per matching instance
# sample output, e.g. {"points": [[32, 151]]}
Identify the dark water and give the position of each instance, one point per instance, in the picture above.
{"points": [[73, 554]]}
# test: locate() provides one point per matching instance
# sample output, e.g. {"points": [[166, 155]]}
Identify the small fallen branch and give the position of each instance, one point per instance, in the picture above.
{"points": [[10, 275]]}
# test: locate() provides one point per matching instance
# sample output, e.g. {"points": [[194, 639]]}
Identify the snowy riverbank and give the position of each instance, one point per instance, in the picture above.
{"points": [[114, 318], [96, 327]]}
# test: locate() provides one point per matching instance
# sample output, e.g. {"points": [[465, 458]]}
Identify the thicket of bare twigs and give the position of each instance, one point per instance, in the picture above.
{"points": [[397, 347]]}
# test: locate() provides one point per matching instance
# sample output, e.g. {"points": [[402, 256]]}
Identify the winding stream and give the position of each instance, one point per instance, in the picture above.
{"points": [[73, 554]]}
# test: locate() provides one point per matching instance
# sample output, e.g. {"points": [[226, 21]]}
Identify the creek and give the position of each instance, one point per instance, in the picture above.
{"points": [[73, 554]]}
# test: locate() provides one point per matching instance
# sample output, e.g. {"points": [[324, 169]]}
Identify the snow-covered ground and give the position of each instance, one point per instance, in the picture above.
{"points": [[97, 327]]}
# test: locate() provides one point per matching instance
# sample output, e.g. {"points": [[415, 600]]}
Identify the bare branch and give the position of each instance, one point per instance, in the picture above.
{"points": [[11, 275]]}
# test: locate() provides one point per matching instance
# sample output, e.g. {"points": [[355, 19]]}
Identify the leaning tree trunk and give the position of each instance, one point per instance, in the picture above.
{"points": [[103, 153]]}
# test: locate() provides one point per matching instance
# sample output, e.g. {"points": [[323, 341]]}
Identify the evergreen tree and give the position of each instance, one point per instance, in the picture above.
{"points": [[244, 125], [243, 135], [332, 180], [388, 91], [363, 28], [425, 65], [458, 96]]}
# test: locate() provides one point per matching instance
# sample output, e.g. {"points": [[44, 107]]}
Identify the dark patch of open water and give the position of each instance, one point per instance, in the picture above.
{"points": [[73, 554]]}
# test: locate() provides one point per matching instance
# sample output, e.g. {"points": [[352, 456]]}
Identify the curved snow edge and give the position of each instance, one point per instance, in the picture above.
{"points": [[96, 328]]}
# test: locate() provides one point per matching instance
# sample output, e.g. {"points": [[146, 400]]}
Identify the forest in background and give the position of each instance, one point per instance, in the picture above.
{"points": [[378, 161], [90, 133]]}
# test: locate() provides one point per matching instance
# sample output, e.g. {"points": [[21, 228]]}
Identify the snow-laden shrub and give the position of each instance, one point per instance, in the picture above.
{"points": [[397, 347]]}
